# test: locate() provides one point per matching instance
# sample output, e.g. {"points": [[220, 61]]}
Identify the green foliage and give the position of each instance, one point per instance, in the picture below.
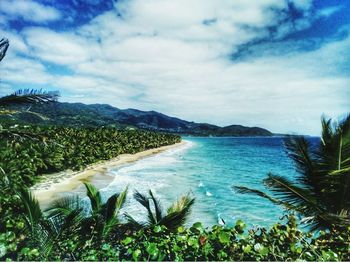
{"points": [[321, 193], [81, 241], [280, 242], [175, 216], [26, 153], [67, 232]]}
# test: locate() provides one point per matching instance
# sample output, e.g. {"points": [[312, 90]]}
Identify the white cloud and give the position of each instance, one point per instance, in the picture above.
{"points": [[23, 70], [59, 48], [28, 10], [327, 12], [16, 41], [302, 4], [174, 57]]}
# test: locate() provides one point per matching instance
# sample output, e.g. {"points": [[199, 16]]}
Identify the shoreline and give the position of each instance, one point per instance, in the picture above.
{"points": [[69, 180]]}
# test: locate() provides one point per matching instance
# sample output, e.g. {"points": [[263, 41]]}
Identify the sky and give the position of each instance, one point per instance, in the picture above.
{"points": [[277, 64]]}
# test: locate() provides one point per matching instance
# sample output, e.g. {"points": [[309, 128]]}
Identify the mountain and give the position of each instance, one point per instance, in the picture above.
{"points": [[78, 114]]}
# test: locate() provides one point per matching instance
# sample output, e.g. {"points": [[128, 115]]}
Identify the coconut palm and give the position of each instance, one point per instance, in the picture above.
{"points": [[102, 218], [321, 192], [44, 232], [175, 216], [67, 217]]}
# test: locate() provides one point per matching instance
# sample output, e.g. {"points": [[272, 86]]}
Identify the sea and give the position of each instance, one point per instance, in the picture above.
{"points": [[207, 168]]}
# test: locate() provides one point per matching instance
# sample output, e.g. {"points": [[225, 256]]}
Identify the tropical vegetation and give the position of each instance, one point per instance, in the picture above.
{"points": [[72, 228], [321, 192], [66, 232]]}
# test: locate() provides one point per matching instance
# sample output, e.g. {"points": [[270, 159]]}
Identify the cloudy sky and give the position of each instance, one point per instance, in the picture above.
{"points": [[278, 64]]}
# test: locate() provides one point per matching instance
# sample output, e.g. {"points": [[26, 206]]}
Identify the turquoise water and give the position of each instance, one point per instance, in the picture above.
{"points": [[207, 168]]}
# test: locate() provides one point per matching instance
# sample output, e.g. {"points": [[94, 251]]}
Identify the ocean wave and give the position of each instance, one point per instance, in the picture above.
{"points": [[208, 193]]}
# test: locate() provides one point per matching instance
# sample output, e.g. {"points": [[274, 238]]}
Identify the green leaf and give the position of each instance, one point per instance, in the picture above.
{"points": [[127, 240], [197, 225], [157, 229], [264, 251], [152, 249], [136, 254], [247, 248], [240, 225], [180, 229], [192, 241], [224, 238]]}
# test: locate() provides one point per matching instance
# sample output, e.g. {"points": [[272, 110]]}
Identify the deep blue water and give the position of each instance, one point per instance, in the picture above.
{"points": [[208, 168]]}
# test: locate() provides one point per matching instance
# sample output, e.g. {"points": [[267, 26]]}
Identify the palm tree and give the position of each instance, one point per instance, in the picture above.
{"points": [[103, 217], [321, 192], [67, 217], [43, 231], [175, 216]]}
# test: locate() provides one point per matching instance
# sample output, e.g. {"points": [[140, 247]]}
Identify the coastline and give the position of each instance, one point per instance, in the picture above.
{"points": [[69, 180]]}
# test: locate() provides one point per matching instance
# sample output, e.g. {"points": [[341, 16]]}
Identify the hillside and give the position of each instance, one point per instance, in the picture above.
{"points": [[78, 114]]}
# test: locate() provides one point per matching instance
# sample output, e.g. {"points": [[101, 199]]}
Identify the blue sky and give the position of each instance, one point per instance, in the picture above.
{"points": [[271, 63]]}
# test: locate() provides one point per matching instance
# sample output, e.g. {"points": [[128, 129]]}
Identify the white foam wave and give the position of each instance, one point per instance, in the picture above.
{"points": [[208, 193], [153, 172]]}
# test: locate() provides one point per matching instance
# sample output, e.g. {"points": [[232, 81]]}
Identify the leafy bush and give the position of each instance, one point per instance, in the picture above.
{"points": [[280, 242]]}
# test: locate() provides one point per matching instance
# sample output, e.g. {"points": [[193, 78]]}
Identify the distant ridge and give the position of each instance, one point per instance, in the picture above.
{"points": [[79, 114]]}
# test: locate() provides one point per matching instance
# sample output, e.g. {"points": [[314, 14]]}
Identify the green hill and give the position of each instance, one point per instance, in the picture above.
{"points": [[78, 114]]}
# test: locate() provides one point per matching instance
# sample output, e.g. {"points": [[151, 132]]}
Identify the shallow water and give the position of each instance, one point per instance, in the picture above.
{"points": [[207, 168]]}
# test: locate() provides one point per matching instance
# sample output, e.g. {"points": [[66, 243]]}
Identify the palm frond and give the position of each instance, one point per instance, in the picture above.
{"points": [[157, 207], [185, 202], [144, 201], [335, 147], [321, 193], [4, 45], [301, 199], [63, 206], [32, 208], [121, 199], [327, 131], [176, 216], [299, 150], [246, 190], [133, 223], [344, 127], [94, 197], [31, 96], [110, 207], [65, 213], [67, 222], [36, 225], [177, 213], [335, 163]]}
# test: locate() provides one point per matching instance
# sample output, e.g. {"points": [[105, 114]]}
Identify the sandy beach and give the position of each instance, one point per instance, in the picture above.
{"points": [[68, 180]]}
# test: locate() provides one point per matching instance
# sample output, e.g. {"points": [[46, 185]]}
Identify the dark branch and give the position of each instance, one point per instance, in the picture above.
{"points": [[4, 45]]}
